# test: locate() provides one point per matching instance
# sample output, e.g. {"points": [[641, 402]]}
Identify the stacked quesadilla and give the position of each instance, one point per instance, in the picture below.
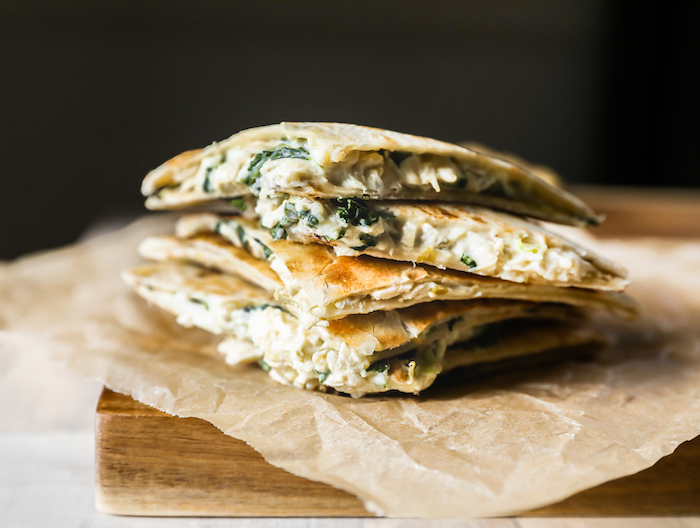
{"points": [[363, 260]]}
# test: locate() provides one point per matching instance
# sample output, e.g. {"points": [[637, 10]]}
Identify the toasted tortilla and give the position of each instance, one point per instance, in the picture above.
{"points": [[456, 236], [523, 337], [213, 251], [314, 283], [464, 238], [333, 160], [496, 347], [349, 354]]}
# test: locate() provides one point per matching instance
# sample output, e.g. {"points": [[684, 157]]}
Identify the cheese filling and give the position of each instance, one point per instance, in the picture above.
{"points": [[388, 295], [471, 244], [313, 357], [266, 168]]}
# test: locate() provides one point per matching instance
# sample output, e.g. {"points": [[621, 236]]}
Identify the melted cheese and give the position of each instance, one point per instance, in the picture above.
{"points": [[223, 173], [308, 357], [481, 241]]}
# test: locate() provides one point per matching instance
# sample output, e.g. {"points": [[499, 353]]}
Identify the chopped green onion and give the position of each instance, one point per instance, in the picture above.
{"points": [[310, 219], [264, 365], [530, 248], [278, 233], [239, 203], [200, 301], [322, 376], [266, 250], [468, 261]]}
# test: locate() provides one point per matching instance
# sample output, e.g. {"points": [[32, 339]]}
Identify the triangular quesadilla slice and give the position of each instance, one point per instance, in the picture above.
{"points": [[316, 284], [346, 354], [460, 237], [332, 160]]}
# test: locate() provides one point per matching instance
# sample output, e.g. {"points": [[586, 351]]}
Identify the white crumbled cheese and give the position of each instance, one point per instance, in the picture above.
{"points": [[304, 357], [509, 253], [362, 172], [312, 357], [359, 173]]}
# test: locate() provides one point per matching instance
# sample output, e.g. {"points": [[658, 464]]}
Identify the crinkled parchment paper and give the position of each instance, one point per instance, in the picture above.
{"points": [[508, 443]]}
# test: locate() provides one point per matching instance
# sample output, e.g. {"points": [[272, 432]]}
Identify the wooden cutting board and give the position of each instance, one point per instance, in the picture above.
{"points": [[151, 463]]}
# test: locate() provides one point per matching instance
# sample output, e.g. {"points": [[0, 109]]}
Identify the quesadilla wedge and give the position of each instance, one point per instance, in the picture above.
{"points": [[315, 284], [333, 160], [460, 237], [350, 355]]}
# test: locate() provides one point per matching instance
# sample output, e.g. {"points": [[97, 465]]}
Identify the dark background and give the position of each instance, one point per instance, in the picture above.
{"points": [[94, 94]]}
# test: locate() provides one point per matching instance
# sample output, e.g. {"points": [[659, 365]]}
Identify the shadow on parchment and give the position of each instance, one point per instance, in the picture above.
{"points": [[654, 354]]}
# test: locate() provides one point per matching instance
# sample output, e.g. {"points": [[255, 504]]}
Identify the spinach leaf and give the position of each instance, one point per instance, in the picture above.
{"points": [[356, 212], [310, 219], [241, 236], [253, 307], [468, 261], [290, 217], [341, 234], [266, 250], [367, 241], [252, 178], [206, 185], [379, 366]]}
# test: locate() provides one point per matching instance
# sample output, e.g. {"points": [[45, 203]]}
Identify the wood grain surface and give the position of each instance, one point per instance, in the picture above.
{"points": [[151, 463]]}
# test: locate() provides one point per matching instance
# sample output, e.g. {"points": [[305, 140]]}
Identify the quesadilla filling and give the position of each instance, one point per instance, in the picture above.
{"points": [[340, 354], [464, 238], [267, 168], [318, 286]]}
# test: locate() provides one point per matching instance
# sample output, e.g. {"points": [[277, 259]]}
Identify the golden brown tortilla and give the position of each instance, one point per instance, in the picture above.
{"points": [[326, 286], [171, 185]]}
